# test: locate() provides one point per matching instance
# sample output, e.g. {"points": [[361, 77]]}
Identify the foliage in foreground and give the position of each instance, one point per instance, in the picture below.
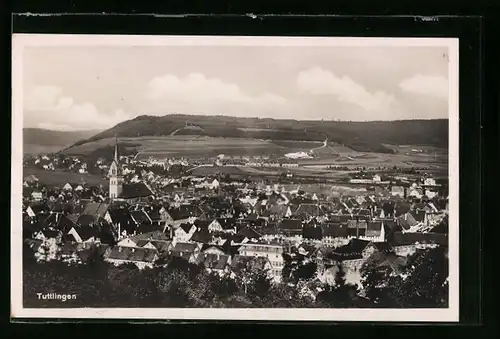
{"points": [[181, 284]]}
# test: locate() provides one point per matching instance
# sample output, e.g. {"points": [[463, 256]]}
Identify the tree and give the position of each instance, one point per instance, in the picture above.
{"points": [[375, 281], [424, 282], [341, 294], [296, 268], [258, 286]]}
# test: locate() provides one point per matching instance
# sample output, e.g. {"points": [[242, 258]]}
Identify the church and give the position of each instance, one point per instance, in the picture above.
{"points": [[118, 190]]}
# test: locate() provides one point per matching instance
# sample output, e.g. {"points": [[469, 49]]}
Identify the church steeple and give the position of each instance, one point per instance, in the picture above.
{"points": [[116, 149], [115, 175]]}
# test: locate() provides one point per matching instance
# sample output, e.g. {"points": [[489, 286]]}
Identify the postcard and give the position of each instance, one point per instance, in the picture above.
{"points": [[235, 178]]}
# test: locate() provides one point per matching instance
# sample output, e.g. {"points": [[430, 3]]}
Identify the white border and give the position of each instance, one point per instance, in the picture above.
{"points": [[19, 41]]}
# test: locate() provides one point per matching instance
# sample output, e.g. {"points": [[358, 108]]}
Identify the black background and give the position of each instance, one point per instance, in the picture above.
{"points": [[473, 23]]}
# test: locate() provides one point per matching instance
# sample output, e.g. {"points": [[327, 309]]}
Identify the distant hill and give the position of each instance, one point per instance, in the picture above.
{"points": [[37, 140], [359, 136]]}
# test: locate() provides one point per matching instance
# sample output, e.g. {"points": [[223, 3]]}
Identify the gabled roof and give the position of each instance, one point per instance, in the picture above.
{"points": [[290, 224], [140, 217], [201, 236], [59, 221], [308, 210], [226, 223], [135, 190], [39, 208], [95, 208], [213, 261], [136, 254], [250, 233], [86, 232], [186, 227], [335, 230], [350, 251], [87, 219], [411, 238], [418, 215], [153, 235], [50, 233], [406, 221], [241, 262], [202, 224], [312, 232], [185, 247], [276, 210], [185, 211], [160, 245]]}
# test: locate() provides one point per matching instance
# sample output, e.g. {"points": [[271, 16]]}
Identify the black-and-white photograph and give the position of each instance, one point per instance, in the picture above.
{"points": [[265, 178]]}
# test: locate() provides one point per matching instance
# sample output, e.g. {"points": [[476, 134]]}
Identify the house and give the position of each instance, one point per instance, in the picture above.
{"points": [[182, 214], [407, 221], [375, 231], [188, 251], [36, 209], [67, 187], [212, 249], [405, 244], [249, 233], [201, 235], [242, 263], [162, 246], [334, 234], [184, 232], [141, 257], [30, 179], [97, 209], [218, 263], [272, 251], [306, 211], [290, 228], [214, 184], [223, 225], [127, 242], [429, 182], [140, 217], [351, 256], [398, 191], [37, 195], [312, 231], [83, 234], [135, 191], [48, 233], [59, 221]]}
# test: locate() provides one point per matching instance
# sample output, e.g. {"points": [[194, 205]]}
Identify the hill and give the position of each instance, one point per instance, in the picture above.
{"points": [[370, 136], [37, 140]]}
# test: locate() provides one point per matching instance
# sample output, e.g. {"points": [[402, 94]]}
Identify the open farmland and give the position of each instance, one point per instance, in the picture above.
{"points": [[60, 178]]}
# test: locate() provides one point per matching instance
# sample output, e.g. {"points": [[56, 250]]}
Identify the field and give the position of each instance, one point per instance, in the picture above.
{"points": [[195, 146], [60, 178]]}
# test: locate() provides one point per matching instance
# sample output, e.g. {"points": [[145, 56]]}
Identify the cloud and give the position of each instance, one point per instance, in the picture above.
{"points": [[196, 89], [46, 107], [435, 86], [318, 81]]}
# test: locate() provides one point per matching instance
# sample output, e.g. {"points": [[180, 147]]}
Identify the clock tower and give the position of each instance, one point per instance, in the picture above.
{"points": [[115, 175]]}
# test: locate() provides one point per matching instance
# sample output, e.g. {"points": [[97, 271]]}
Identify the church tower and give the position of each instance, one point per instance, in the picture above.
{"points": [[115, 175]]}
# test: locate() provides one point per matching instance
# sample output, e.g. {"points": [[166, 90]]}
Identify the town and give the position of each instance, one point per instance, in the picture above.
{"points": [[153, 211]]}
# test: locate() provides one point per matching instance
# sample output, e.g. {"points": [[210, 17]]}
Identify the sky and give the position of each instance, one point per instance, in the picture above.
{"points": [[96, 87]]}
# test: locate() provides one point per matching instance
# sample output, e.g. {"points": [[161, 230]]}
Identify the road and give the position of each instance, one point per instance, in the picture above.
{"points": [[325, 143]]}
